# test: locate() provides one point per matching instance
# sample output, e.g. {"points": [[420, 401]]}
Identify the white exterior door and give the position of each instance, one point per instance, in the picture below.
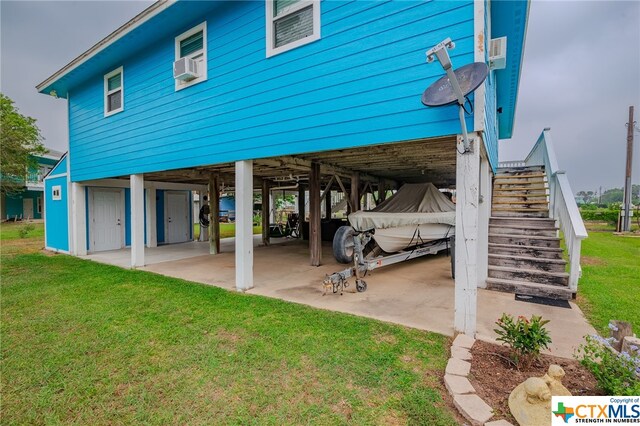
{"points": [[27, 208], [107, 219], [177, 217]]}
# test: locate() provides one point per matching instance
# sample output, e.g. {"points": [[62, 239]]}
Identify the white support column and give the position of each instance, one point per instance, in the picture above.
{"points": [[244, 225], [137, 220], [152, 230], [484, 213], [79, 219], [466, 263]]}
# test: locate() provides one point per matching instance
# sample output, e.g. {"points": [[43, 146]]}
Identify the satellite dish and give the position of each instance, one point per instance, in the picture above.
{"points": [[469, 77]]}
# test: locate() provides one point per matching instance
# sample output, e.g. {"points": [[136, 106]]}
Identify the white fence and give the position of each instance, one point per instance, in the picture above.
{"points": [[562, 205]]}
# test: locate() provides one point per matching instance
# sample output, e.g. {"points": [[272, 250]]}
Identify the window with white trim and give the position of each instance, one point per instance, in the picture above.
{"points": [[56, 193], [291, 23], [113, 92], [192, 44]]}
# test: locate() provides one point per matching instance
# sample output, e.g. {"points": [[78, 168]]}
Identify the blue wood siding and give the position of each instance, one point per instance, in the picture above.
{"points": [[60, 168], [56, 225], [360, 84], [14, 205]]}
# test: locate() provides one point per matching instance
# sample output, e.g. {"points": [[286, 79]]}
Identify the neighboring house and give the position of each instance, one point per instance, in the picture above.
{"points": [[29, 203], [194, 95]]}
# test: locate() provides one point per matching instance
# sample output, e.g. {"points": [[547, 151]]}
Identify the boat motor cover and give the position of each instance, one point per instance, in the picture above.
{"points": [[413, 204]]}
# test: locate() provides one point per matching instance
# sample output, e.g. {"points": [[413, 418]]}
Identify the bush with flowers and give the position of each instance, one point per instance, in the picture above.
{"points": [[617, 373], [525, 337]]}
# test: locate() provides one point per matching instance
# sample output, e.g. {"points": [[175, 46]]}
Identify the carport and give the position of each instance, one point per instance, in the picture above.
{"points": [[353, 172]]}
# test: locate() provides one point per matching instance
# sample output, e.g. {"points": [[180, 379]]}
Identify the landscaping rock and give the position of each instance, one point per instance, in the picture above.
{"points": [[473, 408], [464, 341], [458, 367], [459, 352], [457, 385], [630, 345]]}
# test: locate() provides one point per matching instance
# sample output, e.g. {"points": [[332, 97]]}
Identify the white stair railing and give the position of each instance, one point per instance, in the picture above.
{"points": [[562, 204]]}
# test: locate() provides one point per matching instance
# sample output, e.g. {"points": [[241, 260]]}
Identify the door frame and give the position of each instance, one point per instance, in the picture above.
{"points": [[166, 216], [91, 204]]}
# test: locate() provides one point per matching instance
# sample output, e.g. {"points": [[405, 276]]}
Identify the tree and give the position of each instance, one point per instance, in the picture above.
{"points": [[20, 141]]}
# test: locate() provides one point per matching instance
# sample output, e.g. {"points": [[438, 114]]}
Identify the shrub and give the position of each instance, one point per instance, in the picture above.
{"points": [[23, 232], [617, 373], [602, 215], [526, 338]]}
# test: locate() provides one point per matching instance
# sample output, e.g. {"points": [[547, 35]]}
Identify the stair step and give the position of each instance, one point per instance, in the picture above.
{"points": [[527, 262], [511, 195], [525, 240], [519, 204], [544, 222], [519, 193], [519, 209], [500, 176], [530, 275], [508, 170], [515, 229], [530, 251], [499, 188], [529, 288], [525, 215]]}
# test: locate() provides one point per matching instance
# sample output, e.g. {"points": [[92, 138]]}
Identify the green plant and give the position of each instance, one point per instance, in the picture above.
{"points": [[617, 373], [24, 231], [526, 338]]}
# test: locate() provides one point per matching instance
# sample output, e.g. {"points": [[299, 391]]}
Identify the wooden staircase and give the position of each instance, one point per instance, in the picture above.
{"points": [[524, 248]]}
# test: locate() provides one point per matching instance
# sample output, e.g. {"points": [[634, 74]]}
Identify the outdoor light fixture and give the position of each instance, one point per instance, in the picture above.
{"points": [[455, 85]]}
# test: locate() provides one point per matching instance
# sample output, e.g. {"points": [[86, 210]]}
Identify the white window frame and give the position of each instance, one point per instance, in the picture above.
{"points": [[271, 49], [56, 192], [119, 70], [202, 70]]}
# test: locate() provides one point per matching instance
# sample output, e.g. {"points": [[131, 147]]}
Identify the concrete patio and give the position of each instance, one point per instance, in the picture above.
{"points": [[417, 293]]}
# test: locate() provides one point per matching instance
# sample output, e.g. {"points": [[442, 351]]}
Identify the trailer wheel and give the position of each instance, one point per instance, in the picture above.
{"points": [[361, 285], [343, 244]]}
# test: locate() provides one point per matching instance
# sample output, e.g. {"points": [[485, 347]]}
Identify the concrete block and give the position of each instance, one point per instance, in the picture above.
{"points": [[459, 352], [458, 367], [464, 341], [458, 385], [498, 423], [473, 408]]}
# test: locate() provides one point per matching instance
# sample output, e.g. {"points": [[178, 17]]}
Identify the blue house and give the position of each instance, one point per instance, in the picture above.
{"points": [[191, 96], [29, 203]]}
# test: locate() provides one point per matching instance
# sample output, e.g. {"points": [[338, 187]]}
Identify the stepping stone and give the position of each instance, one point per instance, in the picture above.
{"points": [[459, 352], [473, 408], [498, 423], [457, 385], [458, 367], [464, 341]]}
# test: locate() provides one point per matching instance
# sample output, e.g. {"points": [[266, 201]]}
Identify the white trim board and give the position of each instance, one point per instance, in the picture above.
{"points": [[121, 183], [144, 16]]}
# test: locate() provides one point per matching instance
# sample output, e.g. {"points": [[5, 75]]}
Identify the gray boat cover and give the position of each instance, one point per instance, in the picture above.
{"points": [[413, 204]]}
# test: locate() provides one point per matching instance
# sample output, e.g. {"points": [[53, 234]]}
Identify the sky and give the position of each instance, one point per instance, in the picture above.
{"points": [[580, 74]]}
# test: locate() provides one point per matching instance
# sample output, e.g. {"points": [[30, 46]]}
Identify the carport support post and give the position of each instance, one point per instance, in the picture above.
{"points": [[355, 192], [214, 211], [244, 225], [152, 231], [467, 196], [137, 220], [382, 191], [315, 240], [79, 219], [327, 203], [204, 232], [266, 208]]}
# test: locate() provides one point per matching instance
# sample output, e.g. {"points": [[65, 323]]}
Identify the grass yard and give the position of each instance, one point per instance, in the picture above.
{"points": [[226, 230], [88, 343], [609, 287]]}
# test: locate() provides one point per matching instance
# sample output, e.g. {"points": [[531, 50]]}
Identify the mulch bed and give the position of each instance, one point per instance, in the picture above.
{"points": [[494, 377]]}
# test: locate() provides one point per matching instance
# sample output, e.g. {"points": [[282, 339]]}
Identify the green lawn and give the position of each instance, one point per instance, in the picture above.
{"points": [[610, 284], [11, 230], [87, 343], [226, 230]]}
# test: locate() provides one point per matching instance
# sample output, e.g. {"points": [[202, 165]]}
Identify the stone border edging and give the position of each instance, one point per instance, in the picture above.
{"points": [[468, 403]]}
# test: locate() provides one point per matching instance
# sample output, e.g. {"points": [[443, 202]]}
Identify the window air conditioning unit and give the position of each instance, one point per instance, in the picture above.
{"points": [[185, 69], [498, 53]]}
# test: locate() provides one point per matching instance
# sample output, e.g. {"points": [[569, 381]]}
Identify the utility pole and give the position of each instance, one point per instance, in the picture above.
{"points": [[626, 221]]}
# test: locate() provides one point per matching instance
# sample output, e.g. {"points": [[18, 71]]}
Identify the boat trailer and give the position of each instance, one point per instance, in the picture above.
{"points": [[338, 281]]}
